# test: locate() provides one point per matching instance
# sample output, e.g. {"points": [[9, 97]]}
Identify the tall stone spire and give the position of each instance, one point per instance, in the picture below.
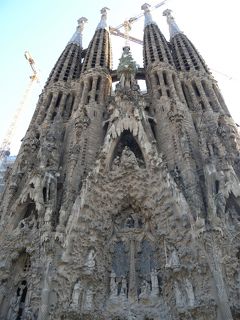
{"points": [[77, 36], [186, 56], [68, 65], [103, 22], [200, 94], [147, 14], [99, 50], [155, 46], [173, 27]]}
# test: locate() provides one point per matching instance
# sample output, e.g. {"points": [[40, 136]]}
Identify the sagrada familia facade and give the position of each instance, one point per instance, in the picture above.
{"points": [[124, 204]]}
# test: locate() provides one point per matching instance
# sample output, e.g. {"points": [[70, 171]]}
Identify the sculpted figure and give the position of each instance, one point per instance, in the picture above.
{"points": [[178, 295], [124, 287], [88, 301], [76, 293], [154, 281], [174, 260], [90, 261], [190, 293], [113, 285], [145, 290], [28, 314]]}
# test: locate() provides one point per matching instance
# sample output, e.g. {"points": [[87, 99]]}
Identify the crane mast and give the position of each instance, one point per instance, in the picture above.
{"points": [[5, 145], [127, 26]]}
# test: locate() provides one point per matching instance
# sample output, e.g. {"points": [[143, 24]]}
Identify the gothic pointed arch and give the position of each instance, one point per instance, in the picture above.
{"points": [[127, 142]]}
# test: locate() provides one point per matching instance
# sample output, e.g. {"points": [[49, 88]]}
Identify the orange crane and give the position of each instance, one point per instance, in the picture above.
{"points": [[5, 145], [127, 26]]}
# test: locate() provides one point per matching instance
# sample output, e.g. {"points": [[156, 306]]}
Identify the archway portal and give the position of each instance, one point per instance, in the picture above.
{"points": [[127, 140]]}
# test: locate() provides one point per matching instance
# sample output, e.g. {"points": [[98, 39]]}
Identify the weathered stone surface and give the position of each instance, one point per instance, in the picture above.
{"points": [[124, 205]]}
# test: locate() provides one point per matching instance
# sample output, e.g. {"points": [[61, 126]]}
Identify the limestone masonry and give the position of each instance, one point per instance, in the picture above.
{"points": [[124, 204]]}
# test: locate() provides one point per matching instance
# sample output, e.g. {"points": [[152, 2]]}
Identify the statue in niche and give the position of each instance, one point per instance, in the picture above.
{"points": [[48, 152], [190, 293], [154, 281], [76, 294], [145, 290], [174, 260], [28, 314], [128, 159], [88, 299], [90, 261], [116, 163], [130, 223], [123, 291], [113, 285], [178, 296]]}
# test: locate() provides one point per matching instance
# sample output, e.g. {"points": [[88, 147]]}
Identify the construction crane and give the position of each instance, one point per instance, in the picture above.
{"points": [[127, 26], [5, 145]]}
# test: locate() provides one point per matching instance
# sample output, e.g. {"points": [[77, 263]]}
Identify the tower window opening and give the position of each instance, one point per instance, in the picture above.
{"points": [[44, 192], [157, 78], [202, 105], [76, 71], [160, 93], [175, 84], [152, 124], [58, 100], [183, 56], [175, 57], [205, 88], [165, 45], [187, 95], [50, 96], [90, 83], [68, 106], [53, 115], [216, 186], [195, 88], [98, 83], [165, 78]]}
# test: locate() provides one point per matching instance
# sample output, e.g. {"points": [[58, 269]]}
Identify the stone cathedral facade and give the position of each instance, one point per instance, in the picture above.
{"points": [[124, 204]]}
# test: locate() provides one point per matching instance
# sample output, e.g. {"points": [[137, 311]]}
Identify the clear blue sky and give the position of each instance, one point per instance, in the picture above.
{"points": [[44, 27]]}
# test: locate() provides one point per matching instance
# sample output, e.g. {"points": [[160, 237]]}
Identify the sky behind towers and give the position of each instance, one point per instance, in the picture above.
{"points": [[44, 28]]}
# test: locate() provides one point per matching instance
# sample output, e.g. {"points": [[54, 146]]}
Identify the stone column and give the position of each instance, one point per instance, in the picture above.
{"points": [[132, 292]]}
